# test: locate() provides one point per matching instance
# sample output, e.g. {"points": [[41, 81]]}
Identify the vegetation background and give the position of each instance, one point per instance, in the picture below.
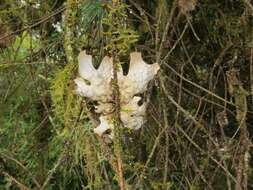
{"points": [[198, 133]]}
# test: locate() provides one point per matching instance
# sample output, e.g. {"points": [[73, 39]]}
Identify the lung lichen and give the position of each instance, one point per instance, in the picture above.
{"points": [[96, 85]]}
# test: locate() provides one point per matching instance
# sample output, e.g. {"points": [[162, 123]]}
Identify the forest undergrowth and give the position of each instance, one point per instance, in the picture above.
{"points": [[198, 133]]}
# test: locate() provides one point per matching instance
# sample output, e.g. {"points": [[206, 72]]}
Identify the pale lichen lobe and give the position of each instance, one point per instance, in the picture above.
{"points": [[96, 85]]}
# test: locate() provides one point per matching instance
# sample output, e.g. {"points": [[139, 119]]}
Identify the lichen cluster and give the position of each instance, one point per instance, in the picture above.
{"points": [[96, 84]]}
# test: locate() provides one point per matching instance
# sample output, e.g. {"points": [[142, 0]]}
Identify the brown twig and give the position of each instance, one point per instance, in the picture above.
{"points": [[42, 20]]}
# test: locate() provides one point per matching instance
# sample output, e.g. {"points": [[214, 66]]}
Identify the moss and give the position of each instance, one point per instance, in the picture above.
{"points": [[181, 146]]}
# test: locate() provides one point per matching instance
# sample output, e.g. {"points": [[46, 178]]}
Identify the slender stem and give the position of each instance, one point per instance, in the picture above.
{"points": [[116, 99]]}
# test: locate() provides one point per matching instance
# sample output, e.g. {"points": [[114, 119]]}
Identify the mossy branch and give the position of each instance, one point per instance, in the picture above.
{"points": [[237, 91]]}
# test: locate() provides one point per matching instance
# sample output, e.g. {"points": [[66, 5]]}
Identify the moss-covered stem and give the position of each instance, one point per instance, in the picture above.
{"points": [[70, 17], [116, 98], [69, 36], [237, 91]]}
